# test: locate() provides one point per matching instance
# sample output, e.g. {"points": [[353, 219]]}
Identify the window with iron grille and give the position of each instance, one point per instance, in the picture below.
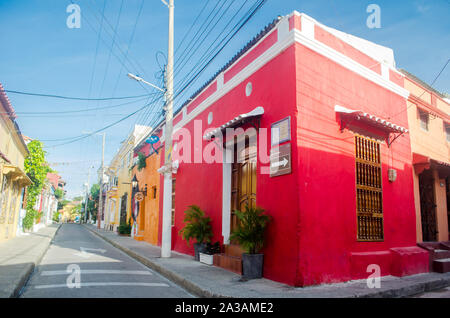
{"points": [[369, 194], [447, 131], [424, 119], [4, 195]]}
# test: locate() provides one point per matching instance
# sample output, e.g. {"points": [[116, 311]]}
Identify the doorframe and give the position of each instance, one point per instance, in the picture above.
{"points": [[227, 165]]}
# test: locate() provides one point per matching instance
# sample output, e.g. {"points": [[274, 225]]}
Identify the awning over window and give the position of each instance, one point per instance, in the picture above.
{"points": [[16, 175], [369, 119], [235, 122]]}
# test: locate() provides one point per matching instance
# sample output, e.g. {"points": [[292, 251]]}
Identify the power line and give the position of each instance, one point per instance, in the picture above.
{"points": [[80, 137], [73, 98], [253, 12], [192, 25], [207, 52], [424, 91], [186, 78], [239, 25], [78, 110]]}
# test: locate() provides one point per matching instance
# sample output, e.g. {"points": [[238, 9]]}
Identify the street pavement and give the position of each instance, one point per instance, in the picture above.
{"points": [[211, 281], [80, 264], [441, 293]]}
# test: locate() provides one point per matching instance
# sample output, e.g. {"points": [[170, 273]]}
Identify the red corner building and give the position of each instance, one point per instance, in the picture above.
{"points": [[340, 192]]}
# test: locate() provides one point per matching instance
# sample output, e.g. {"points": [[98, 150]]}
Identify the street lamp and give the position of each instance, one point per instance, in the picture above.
{"points": [[134, 182], [140, 79]]}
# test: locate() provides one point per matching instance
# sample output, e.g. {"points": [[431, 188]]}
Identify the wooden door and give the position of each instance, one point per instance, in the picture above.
{"points": [[243, 182], [427, 206], [142, 216], [123, 209]]}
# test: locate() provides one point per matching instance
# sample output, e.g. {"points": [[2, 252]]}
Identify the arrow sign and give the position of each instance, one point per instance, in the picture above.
{"points": [[280, 160], [85, 254], [280, 163]]}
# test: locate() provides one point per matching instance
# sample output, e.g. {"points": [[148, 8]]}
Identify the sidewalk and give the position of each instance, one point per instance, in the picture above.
{"points": [[19, 256], [210, 281]]}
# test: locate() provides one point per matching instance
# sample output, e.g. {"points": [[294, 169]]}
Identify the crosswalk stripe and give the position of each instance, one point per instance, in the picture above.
{"points": [[96, 284], [97, 271]]}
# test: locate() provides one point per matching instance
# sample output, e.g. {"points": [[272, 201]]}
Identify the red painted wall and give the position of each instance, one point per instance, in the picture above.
{"points": [[201, 184], [312, 238], [327, 171]]}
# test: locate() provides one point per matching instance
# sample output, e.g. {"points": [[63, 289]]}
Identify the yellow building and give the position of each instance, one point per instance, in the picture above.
{"points": [[68, 213], [13, 179], [118, 196], [429, 124]]}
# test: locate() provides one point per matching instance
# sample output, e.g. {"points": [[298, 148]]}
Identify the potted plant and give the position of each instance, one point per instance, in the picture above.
{"points": [[197, 226], [249, 234], [207, 257], [124, 229]]}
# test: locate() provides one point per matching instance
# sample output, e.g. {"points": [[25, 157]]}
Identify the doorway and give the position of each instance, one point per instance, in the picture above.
{"points": [[123, 209], [428, 206], [243, 180]]}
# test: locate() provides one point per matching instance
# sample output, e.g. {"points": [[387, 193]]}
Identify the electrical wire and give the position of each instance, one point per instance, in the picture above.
{"points": [[78, 110], [78, 138], [72, 98], [424, 91], [253, 12]]}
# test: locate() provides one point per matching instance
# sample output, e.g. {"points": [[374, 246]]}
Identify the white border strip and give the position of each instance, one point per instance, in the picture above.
{"points": [[282, 44]]}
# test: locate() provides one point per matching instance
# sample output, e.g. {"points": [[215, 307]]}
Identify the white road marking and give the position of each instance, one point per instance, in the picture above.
{"points": [[95, 284], [85, 254], [98, 271]]}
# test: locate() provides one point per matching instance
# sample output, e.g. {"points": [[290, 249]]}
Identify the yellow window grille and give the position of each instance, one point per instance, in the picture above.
{"points": [[369, 194]]}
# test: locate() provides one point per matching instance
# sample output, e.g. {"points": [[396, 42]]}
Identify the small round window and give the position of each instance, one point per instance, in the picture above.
{"points": [[210, 118], [248, 89]]}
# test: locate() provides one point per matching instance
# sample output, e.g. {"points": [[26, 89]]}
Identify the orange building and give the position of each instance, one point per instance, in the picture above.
{"points": [[149, 184], [429, 124]]}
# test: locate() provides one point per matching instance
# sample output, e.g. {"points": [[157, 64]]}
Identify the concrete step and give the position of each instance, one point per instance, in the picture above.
{"points": [[441, 254], [231, 263], [233, 250], [441, 265], [429, 245], [445, 245]]}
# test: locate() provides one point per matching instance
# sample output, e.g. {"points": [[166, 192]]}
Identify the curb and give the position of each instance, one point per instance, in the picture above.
{"points": [[172, 276], [400, 292], [411, 290], [23, 280]]}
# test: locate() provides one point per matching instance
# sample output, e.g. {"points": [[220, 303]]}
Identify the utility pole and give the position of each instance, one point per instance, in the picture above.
{"points": [[100, 197], [166, 244], [86, 215]]}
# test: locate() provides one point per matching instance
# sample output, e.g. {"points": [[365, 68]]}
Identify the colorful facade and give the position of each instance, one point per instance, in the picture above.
{"points": [[429, 122], [13, 152], [147, 210], [343, 198], [118, 195]]}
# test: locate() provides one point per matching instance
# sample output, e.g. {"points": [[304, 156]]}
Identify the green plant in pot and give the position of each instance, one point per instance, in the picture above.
{"points": [[125, 228], [249, 234], [197, 226]]}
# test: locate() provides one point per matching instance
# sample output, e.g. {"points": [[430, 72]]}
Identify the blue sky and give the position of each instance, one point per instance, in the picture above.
{"points": [[39, 53]]}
